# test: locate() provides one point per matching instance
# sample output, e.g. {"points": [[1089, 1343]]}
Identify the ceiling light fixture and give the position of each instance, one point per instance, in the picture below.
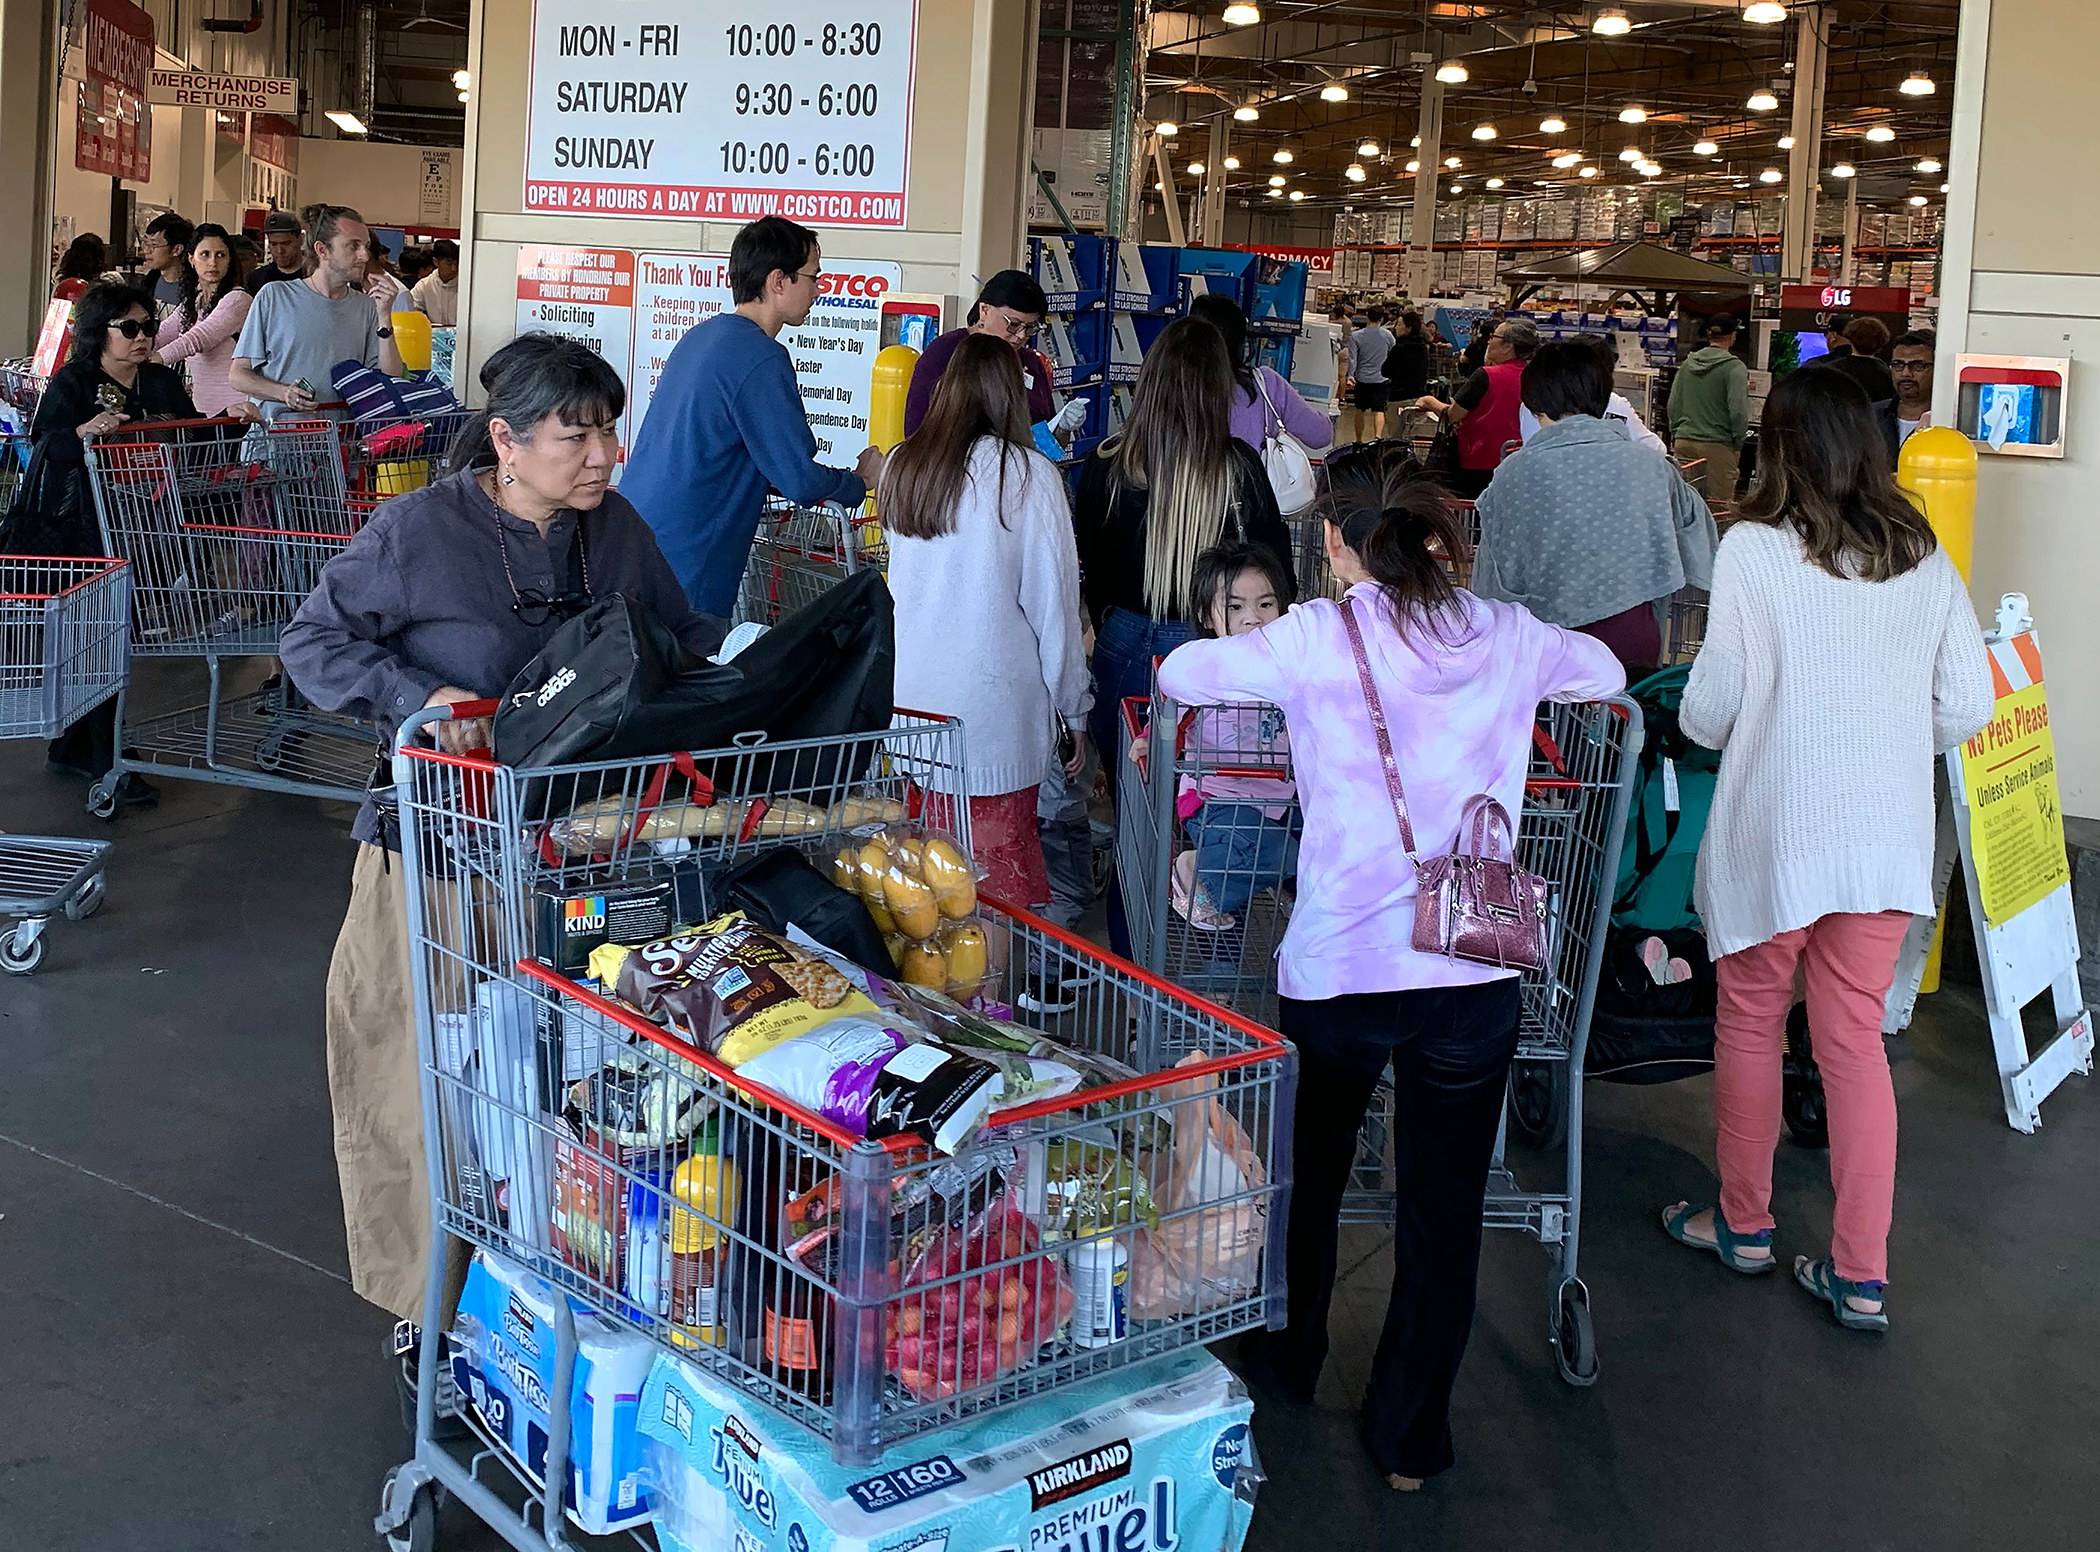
{"points": [[1612, 23], [1452, 161], [1647, 169], [1297, 194], [1881, 134], [1415, 144], [1588, 172], [1232, 164], [346, 121], [1494, 183], [1414, 166], [463, 94], [1456, 189], [1771, 175], [461, 80], [1242, 14], [1277, 180], [1917, 84], [1368, 148], [1282, 154], [1354, 172], [1334, 91], [1631, 154], [1917, 199], [1786, 142], [1567, 159], [1844, 170], [1452, 73], [1763, 100], [1706, 148], [1555, 125], [1167, 129], [1927, 164], [1634, 115], [1764, 12], [1943, 188], [1483, 131], [1246, 113], [1195, 169], [1275, 193]]}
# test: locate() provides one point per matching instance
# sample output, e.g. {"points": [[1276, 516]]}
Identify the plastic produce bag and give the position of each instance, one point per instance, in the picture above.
{"points": [[1206, 1249], [958, 1335]]}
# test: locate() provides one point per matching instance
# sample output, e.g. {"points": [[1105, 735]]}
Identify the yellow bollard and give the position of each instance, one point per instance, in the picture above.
{"points": [[412, 338], [886, 396], [1938, 465]]}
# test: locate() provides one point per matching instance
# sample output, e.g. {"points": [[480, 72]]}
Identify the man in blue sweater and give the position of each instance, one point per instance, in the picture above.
{"points": [[726, 422]]}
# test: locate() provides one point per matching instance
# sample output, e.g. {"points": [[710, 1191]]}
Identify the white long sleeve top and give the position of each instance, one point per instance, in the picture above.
{"points": [[1829, 697]]}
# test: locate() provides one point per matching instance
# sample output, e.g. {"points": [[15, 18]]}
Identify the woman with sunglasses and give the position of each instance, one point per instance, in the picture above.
{"points": [[441, 598], [110, 381]]}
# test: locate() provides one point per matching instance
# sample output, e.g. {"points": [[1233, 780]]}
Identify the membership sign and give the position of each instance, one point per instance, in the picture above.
{"points": [[728, 111], [2016, 829]]}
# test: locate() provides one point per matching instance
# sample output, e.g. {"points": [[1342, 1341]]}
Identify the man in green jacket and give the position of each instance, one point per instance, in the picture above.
{"points": [[1710, 410]]}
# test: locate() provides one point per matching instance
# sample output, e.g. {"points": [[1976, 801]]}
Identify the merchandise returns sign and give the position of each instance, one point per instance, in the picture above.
{"points": [[2016, 828], [228, 93]]}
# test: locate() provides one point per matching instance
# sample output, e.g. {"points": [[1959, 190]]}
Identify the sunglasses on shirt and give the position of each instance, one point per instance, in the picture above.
{"points": [[535, 608]]}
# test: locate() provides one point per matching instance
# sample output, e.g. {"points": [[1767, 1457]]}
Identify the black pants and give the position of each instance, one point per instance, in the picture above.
{"points": [[1450, 1050]]}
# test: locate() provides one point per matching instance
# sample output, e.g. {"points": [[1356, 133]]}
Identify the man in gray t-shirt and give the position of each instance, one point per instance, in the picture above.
{"points": [[1368, 348], [298, 330]]}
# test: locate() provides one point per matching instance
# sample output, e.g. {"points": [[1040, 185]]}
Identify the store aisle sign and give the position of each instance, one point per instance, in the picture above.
{"points": [[634, 308], [113, 130], [2008, 778], [728, 112], [231, 93]]}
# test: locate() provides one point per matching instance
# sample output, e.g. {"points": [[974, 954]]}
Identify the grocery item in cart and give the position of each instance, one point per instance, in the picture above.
{"points": [[876, 1081], [632, 1119], [1143, 1459], [503, 1362], [1210, 1189], [960, 1334], [729, 987], [618, 821]]}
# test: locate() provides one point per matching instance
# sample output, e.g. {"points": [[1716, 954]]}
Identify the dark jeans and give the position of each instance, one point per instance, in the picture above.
{"points": [[1450, 1050], [1124, 648]]}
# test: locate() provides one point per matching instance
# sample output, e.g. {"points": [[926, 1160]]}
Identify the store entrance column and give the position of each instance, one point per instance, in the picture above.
{"points": [[1805, 160], [1421, 248], [28, 123]]}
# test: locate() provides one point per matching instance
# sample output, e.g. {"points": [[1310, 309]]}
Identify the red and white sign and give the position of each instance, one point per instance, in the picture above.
{"points": [[727, 112], [1318, 262], [582, 294], [113, 130]]}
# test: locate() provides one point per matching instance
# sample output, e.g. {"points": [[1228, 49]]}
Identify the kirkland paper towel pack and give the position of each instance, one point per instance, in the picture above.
{"points": [[1154, 1458]]}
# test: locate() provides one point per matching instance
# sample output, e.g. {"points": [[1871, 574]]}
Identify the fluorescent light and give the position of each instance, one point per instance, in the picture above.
{"points": [[1232, 164], [1917, 84], [1241, 14], [1706, 148], [1612, 23], [1554, 125], [1494, 183], [1414, 166], [1763, 100], [1247, 113], [1334, 91], [461, 80], [1281, 154], [1483, 131], [1881, 134], [1354, 172], [1917, 199], [1844, 170], [1195, 169], [1277, 180], [1764, 12], [1927, 164], [1567, 159], [1771, 175], [1786, 142], [1368, 148], [1167, 129], [346, 121], [1452, 73], [1633, 115], [1589, 172]]}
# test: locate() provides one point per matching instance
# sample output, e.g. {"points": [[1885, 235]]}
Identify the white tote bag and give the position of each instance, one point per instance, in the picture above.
{"points": [[1289, 465]]}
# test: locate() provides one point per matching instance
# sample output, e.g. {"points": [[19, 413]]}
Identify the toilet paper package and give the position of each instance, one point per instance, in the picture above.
{"points": [[1153, 1458]]}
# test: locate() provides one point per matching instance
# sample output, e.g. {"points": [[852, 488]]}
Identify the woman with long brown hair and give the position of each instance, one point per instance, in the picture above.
{"points": [[1841, 656], [1172, 484], [986, 582]]}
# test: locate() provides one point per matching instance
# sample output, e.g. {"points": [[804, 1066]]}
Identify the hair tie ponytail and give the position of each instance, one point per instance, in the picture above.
{"points": [[1407, 524]]}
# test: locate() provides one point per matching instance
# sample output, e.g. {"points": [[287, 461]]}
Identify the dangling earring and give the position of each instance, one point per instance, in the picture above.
{"points": [[507, 477]]}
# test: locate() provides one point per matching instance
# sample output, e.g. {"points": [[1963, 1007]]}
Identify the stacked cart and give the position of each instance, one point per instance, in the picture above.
{"points": [[801, 552]]}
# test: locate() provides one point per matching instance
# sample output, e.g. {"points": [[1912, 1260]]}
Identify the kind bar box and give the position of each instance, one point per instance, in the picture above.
{"points": [[1153, 1458], [570, 922]]}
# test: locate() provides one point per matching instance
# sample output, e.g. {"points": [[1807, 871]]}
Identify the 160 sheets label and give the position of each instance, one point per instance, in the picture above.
{"points": [[728, 112]]}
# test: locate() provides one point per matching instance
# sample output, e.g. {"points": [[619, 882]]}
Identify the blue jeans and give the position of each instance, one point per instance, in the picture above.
{"points": [[1124, 648], [1239, 850]]}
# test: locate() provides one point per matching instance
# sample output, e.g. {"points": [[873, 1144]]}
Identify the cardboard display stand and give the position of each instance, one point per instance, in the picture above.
{"points": [[1999, 815]]}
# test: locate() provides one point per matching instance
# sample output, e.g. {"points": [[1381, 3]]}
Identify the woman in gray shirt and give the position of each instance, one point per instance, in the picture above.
{"points": [[442, 597]]}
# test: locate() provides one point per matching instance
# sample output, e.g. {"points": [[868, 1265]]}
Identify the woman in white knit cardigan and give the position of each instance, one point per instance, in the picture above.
{"points": [[985, 573], [1841, 656]]}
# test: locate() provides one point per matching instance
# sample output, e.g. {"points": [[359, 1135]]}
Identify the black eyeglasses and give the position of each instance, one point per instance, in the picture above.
{"points": [[536, 609], [131, 328]]}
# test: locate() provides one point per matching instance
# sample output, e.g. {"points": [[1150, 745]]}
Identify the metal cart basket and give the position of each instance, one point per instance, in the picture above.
{"points": [[929, 1288], [64, 651], [800, 552]]}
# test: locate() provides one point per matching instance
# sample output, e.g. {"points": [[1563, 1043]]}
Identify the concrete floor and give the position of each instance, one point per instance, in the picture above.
{"points": [[183, 1366]]}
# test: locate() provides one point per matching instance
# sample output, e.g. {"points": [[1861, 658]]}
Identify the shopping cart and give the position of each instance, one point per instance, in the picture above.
{"points": [[814, 1324], [390, 455], [227, 527], [800, 552], [21, 391], [64, 650], [1309, 548], [1684, 630], [1583, 764]]}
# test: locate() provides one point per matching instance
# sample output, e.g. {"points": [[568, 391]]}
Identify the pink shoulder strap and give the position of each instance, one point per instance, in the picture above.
{"points": [[1378, 727]]}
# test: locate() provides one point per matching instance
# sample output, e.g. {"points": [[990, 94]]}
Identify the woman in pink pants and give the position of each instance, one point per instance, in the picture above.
{"points": [[1841, 656]]}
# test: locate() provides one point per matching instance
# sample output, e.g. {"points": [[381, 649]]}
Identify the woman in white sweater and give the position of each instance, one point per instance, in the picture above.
{"points": [[1841, 656], [985, 573]]}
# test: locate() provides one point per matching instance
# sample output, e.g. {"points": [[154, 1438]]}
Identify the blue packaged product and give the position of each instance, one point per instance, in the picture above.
{"points": [[1153, 1458]]}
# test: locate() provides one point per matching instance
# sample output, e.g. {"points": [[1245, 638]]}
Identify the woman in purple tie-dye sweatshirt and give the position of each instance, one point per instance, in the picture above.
{"points": [[1459, 679]]}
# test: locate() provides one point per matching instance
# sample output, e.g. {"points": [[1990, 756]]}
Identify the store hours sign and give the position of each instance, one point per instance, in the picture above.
{"points": [[721, 112]]}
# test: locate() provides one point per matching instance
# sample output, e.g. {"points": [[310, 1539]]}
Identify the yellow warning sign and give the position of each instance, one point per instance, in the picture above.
{"points": [[2016, 828]]}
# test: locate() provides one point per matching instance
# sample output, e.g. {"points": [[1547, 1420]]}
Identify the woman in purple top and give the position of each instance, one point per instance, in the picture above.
{"points": [[1265, 401], [1460, 679], [1008, 308]]}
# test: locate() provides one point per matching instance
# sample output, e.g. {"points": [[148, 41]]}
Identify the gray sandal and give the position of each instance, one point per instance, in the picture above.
{"points": [[1820, 1278]]}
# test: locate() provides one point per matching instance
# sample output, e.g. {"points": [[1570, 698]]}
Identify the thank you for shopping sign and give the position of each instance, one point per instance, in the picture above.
{"points": [[2016, 827], [726, 111]]}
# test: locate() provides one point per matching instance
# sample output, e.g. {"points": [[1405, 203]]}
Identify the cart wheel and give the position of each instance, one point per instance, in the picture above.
{"points": [[18, 958], [1575, 1337], [417, 1533], [102, 797], [87, 902], [269, 752], [1538, 1103], [1801, 1085]]}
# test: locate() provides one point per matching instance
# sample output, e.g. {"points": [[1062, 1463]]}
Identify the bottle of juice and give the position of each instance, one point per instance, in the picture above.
{"points": [[706, 1183]]}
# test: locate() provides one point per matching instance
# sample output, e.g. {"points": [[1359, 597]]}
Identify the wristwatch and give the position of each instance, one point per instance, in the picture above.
{"points": [[387, 333]]}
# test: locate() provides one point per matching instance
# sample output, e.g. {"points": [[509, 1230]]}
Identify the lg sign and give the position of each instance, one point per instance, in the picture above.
{"points": [[837, 283], [1837, 296]]}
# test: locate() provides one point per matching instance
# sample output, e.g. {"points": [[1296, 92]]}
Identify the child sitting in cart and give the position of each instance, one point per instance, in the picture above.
{"points": [[1244, 827]]}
